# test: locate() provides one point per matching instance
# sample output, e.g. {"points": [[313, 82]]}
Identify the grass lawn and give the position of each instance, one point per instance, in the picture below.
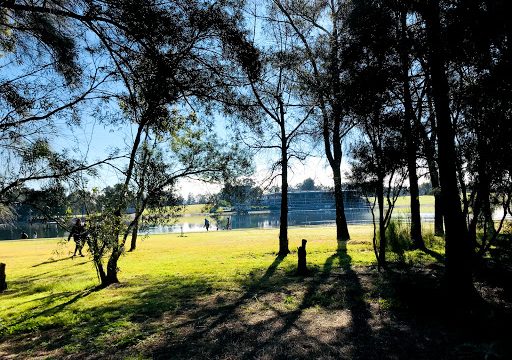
{"points": [[217, 295], [427, 200]]}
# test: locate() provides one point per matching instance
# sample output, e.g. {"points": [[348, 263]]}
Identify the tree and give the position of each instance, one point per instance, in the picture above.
{"points": [[378, 172], [458, 251], [279, 121], [241, 194], [319, 28], [307, 185], [378, 158], [162, 61], [187, 150], [389, 43]]}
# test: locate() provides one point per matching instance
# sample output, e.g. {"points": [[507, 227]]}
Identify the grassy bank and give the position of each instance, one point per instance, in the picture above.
{"points": [[220, 294]]}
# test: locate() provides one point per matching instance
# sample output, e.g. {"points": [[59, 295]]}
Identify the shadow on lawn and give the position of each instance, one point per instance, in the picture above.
{"points": [[273, 331], [52, 261], [342, 312], [339, 311], [62, 323]]}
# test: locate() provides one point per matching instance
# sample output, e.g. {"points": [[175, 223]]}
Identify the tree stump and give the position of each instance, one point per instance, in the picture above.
{"points": [[3, 284], [301, 252]]}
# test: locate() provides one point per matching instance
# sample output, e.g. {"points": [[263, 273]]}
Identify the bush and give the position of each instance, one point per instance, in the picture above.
{"points": [[398, 238]]}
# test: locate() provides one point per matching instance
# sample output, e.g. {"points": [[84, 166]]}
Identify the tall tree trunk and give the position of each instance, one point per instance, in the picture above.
{"points": [[438, 207], [342, 234], [430, 154], [382, 228], [458, 251], [283, 218], [416, 236]]}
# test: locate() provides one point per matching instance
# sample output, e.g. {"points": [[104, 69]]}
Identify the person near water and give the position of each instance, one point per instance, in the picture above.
{"points": [[206, 224], [77, 232]]}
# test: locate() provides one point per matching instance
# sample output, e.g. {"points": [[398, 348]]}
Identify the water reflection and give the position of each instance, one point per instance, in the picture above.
{"points": [[237, 221], [265, 221], [33, 230]]}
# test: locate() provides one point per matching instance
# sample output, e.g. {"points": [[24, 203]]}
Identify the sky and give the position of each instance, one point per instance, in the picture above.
{"points": [[95, 141]]}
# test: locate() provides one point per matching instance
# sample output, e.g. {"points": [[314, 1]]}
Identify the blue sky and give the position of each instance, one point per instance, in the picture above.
{"points": [[95, 141]]}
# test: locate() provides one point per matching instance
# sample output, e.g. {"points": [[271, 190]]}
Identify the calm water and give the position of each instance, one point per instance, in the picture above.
{"points": [[266, 220], [8, 232], [237, 221]]}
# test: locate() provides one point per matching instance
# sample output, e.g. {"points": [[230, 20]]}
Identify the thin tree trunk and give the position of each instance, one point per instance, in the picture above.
{"points": [[416, 236], [438, 207], [382, 228], [283, 218], [101, 273], [434, 180], [430, 154], [458, 252], [482, 204], [133, 243], [342, 234]]}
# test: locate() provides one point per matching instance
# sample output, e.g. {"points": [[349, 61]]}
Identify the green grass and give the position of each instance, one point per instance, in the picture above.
{"points": [[427, 200], [55, 296], [194, 209]]}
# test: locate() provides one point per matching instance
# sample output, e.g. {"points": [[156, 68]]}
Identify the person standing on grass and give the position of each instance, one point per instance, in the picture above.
{"points": [[206, 224], [227, 225], [77, 231]]}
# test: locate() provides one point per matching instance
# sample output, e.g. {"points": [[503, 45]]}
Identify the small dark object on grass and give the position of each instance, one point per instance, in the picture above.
{"points": [[301, 252], [3, 284]]}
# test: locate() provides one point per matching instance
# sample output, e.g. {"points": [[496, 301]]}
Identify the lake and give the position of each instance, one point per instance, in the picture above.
{"points": [[195, 222]]}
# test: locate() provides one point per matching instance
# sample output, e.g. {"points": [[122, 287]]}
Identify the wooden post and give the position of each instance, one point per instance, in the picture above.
{"points": [[301, 252], [3, 284]]}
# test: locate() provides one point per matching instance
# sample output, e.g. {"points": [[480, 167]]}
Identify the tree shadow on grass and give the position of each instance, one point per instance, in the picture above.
{"points": [[213, 319], [61, 323], [27, 285], [52, 261], [330, 314], [44, 311], [273, 330]]}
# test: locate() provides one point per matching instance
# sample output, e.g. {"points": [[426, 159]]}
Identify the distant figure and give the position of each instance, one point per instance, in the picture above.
{"points": [[77, 231], [227, 224], [24, 235], [35, 235], [206, 224]]}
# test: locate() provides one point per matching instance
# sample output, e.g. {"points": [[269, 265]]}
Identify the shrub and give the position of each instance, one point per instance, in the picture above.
{"points": [[398, 238]]}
